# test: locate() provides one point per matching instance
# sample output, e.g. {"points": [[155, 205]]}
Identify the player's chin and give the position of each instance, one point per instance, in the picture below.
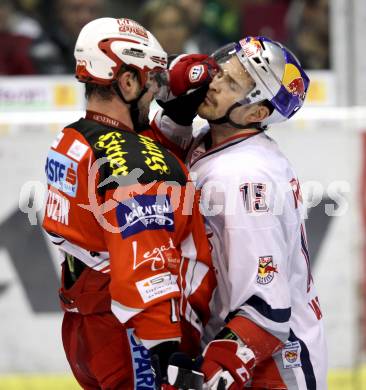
{"points": [[205, 111]]}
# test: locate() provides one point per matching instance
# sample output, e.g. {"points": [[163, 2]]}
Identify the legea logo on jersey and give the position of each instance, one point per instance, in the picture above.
{"points": [[266, 270], [61, 173], [159, 257], [145, 212]]}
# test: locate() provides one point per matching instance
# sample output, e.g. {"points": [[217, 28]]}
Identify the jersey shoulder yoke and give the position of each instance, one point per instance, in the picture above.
{"points": [[120, 152]]}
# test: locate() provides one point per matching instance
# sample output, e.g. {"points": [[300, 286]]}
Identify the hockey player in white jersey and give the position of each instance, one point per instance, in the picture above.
{"points": [[266, 331]]}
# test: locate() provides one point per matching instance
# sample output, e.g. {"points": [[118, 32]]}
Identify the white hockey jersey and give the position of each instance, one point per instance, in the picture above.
{"points": [[251, 199], [252, 202]]}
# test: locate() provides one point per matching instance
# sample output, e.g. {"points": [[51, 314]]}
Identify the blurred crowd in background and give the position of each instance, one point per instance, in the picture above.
{"points": [[38, 36]]}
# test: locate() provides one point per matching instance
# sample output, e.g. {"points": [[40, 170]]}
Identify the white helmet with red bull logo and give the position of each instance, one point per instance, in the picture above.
{"points": [[105, 44], [277, 74]]}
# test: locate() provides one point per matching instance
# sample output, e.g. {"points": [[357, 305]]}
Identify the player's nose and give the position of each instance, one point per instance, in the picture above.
{"points": [[215, 84]]}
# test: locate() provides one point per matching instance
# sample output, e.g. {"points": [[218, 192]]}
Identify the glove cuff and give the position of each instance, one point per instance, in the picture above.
{"points": [[183, 109], [256, 338]]}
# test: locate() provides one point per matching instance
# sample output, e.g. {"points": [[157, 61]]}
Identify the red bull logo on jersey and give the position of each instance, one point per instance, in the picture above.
{"points": [[266, 270], [251, 46], [293, 81]]}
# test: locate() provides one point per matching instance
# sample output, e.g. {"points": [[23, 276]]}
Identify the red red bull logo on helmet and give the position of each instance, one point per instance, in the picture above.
{"points": [[251, 46], [293, 81]]}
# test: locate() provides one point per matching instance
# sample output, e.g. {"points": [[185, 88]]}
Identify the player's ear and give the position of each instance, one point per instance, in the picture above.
{"points": [[128, 83]]}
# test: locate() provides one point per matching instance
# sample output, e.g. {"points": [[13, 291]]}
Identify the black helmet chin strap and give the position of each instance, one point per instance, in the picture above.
{"points": [[226, 119], [134, 109]]}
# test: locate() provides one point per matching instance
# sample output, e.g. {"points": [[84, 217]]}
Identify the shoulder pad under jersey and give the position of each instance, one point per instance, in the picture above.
{"points": [[123, 151]]}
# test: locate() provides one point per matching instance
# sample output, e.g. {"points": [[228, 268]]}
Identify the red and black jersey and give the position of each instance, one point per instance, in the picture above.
{"points": [[123, 205]]}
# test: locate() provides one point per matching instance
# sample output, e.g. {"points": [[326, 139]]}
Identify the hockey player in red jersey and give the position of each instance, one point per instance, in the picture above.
{"points": [[266, 329], [136, 270]]}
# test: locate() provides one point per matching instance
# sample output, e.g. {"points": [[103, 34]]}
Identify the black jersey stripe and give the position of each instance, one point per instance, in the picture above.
{"points": [[263, 308], [306, 364]]}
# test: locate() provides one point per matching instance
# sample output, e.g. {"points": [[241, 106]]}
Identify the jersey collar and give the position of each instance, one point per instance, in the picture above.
{"points": [[106, 120], [235, 139]]}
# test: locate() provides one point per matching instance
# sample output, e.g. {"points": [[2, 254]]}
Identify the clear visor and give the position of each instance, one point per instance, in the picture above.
{"points": [[234, 72], [224, 53], [235, 81]]}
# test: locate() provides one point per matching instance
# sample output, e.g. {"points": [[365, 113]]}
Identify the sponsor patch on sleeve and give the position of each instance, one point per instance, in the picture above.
{"points": [[266, 270], [61, 173], [157, 286], [291, 354], [145, 212], [77, 150]]}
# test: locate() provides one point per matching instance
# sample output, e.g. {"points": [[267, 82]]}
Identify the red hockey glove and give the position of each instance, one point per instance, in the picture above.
{"points": [[227, 364], [190, 71], [189, 78]]}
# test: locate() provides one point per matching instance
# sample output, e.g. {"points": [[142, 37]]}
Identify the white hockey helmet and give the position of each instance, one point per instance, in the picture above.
{"points": [[105, 44], [277, 74]]}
